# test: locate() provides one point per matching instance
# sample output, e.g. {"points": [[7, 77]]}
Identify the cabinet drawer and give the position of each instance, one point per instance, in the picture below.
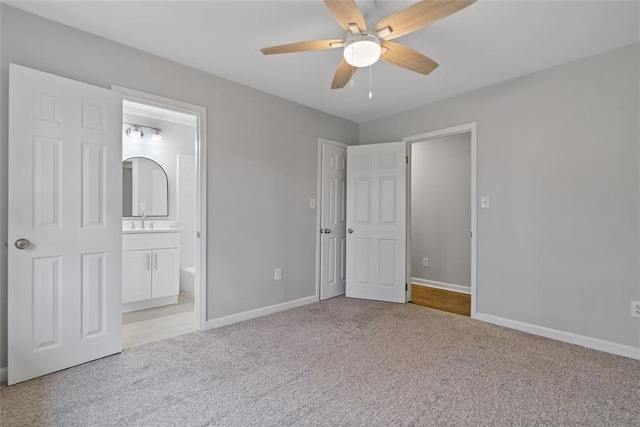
{"points": [[134, 242]]}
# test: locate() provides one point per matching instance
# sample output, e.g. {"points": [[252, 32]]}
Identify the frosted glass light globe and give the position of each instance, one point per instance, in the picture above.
{"points": [[362, 50]]}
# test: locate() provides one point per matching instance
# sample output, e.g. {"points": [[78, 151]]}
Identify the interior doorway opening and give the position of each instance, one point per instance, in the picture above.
{"points": [[442, 219], [163, 238]]}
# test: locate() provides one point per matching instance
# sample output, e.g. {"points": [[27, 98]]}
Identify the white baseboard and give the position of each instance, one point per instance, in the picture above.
{"points": [[441, 285], [568, 337], [3, 375], [258, 312]]}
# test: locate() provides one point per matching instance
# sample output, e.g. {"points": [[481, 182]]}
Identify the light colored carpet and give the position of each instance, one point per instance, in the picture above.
{"points": [[339, 362]]}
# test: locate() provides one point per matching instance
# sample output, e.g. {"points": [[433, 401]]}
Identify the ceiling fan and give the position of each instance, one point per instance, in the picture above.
{"points": [[363, 48]]}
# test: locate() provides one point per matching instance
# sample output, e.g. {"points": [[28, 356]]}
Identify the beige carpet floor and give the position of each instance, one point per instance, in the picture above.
{"points": [[339, 362]]}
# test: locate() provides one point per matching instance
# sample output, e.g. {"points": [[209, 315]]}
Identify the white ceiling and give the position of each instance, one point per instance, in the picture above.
{"points": [[486, 43]]}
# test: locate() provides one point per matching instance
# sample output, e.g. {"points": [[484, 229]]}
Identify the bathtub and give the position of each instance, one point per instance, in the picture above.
{"points": [[187, 281]]}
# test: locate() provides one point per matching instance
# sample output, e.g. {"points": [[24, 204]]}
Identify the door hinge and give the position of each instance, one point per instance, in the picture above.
{"points": [[472, 234], [406, 287], [407, 157]]}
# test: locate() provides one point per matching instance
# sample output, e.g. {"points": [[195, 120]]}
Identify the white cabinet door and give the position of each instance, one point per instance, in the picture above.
{"points": [[65, 219], [166, 273], [376, 221], [334, 219], [136, 281]]}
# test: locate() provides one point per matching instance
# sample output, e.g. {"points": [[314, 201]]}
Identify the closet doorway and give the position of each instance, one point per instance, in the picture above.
{"points": [[442, 219]]}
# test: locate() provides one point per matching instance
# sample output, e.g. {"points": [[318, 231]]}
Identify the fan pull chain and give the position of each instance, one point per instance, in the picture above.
{"points": [[353, 82], [370, 84]]}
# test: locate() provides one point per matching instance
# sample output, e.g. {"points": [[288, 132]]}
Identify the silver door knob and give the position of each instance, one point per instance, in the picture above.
{"points": [[350, 231], [327, 231], [22, 243]]}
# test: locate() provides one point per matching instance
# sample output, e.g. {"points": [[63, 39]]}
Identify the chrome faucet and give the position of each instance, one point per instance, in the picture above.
{"points": [[144, 217]]}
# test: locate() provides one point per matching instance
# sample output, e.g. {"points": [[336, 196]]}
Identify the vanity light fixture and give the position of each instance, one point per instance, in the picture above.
{"points": [[156, 135], [135, 132]]}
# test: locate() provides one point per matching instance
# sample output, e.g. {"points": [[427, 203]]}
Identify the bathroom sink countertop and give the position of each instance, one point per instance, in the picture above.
{"points": [[150, 230]]}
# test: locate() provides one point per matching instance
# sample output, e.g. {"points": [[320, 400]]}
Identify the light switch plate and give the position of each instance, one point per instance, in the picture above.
{"points": [[312, 203], [635, 308], [277, 274]]}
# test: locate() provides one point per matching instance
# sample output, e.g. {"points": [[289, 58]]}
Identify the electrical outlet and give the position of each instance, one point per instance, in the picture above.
{"points": [[425, 262], [635, 308], [277, 274]]}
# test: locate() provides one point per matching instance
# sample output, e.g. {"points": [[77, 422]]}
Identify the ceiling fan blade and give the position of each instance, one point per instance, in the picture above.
{"points": [[408, 58], [346, 12], [419, 15], [343, 75], [303, 46]]}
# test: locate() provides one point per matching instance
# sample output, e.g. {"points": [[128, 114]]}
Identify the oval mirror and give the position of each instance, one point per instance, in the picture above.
{"points": [[145, 189]]}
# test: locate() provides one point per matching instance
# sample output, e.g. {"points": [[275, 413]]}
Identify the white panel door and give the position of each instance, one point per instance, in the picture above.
{"points": [[166, 273], [65, 207], [333, 221], [376, 221]]}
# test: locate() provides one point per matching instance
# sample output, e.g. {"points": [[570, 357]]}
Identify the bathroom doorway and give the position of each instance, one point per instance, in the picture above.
{"points": [[163, 236]]}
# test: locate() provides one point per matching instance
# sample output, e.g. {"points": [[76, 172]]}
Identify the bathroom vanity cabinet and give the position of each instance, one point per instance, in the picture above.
{"points": [[150, 267]]}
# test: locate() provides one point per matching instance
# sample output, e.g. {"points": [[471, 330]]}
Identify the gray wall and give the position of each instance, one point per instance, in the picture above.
{"points": [[441, 209], [558, 154], [262, 160]]}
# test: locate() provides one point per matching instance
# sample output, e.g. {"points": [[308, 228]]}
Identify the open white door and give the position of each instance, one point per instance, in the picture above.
{"points": [[376, 221], [65, 221], [333, 221]]}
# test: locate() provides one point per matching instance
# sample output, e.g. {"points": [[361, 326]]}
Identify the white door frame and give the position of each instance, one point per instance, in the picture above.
{"points": [[200, 289], [321, 141], [471, 128]]}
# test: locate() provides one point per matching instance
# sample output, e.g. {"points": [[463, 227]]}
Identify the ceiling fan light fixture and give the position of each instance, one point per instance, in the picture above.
{"points": [[362, 50], [365, 48]]}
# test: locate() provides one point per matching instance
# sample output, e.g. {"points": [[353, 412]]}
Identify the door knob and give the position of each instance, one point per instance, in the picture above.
{"points": [[22, 243], [350, 231], [327, 231]]}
